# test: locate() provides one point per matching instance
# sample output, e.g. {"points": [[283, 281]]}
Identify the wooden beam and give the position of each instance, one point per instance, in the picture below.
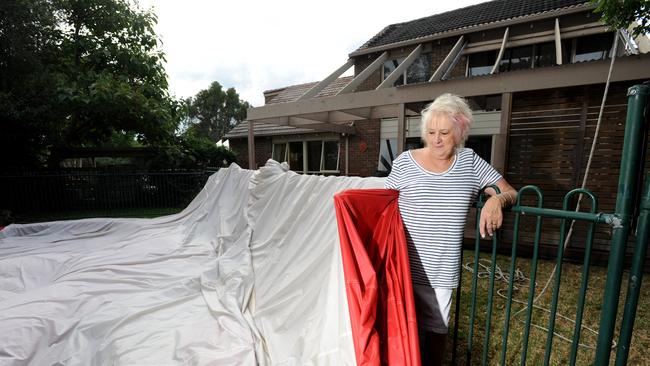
{"points": [[585, 73], [252, 164], [500, 141], [534, 38], [363, 75], [363, 113], [495, 68], [342, 116], [399, 71], [558, 43], [321, 126], [451, 56], [327, 81], [401, 128], [318, 116], [384, 111]]}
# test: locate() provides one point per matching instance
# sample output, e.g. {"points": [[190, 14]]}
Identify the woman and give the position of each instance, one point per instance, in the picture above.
{"points": [[437, 184]]}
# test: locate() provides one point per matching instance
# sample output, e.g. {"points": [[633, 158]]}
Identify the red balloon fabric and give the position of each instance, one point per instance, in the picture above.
{"points": [[377, 277]]}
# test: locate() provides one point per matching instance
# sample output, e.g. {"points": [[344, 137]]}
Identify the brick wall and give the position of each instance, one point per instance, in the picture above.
{"points": [[439, 50], [360, 63], [363, 149], [263, 149]]}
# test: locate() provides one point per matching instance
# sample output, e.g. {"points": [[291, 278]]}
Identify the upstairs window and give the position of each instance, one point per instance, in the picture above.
{"points": [[594, 47], [390, 66], [587, 48], [516, 59], [481, 63], [544, 54], [418, 72]]}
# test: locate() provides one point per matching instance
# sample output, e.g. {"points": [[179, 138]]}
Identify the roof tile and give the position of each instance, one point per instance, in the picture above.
{"points": [[483, 13]]}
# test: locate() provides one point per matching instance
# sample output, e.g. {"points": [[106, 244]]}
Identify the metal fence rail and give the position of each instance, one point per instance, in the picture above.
{"points": [[75, 193], [620, 223]]}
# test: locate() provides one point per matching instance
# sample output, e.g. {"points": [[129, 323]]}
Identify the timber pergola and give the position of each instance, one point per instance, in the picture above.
{"points": [[337, 113]]}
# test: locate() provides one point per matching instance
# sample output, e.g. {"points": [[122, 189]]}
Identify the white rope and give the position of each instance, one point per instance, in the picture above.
{"points": [[519, 276]]}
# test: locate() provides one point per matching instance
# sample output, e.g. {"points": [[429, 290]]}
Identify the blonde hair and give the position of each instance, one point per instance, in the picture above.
{"points": [[453, 107]]}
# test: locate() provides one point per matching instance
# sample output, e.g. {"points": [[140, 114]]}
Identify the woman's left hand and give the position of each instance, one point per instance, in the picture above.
{"points": [[491, 217]]}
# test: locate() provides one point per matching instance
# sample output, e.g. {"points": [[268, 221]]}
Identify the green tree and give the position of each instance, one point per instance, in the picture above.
{"points": [[76, 73], [29, 39], [619, 14], [213, 112]]}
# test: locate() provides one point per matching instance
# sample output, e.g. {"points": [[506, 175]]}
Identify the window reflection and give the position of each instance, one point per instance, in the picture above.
{"points": [[516, 59], [481, 63], [594, 47]]}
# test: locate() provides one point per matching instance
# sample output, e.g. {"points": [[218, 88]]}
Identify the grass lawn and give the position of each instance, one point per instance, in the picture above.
{"points": [[567, 306]]}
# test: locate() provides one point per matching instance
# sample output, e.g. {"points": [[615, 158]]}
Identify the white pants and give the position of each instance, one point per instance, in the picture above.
{"points": [[432, 307]]}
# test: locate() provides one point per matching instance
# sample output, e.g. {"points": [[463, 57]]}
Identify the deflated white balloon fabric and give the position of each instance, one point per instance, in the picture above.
{"points": [[249, 273]]}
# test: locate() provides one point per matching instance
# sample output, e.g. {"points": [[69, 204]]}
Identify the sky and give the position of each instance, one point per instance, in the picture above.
{"points": [[255, 46]]}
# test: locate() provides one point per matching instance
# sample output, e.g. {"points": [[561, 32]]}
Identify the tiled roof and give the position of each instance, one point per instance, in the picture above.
{"points": [[288, 94], [479, 14], [263, 129], [292, 93]]}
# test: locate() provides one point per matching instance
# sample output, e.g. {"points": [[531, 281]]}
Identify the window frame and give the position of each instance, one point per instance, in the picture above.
{"points": [[305, 154], [404, 76]]}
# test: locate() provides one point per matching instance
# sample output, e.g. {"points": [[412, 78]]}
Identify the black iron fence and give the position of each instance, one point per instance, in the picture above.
{"points": [[78, 193]]}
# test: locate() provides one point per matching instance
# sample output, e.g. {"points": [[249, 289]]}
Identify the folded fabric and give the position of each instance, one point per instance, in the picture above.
{"points": [[377, 277]]}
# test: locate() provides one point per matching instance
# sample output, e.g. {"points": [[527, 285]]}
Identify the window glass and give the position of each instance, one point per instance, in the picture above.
{"points": [[481, 63], [545, 54], [594, 47], [314, 149], [387, 149], [295, 156], [413, 143], [331, 155], [482, 145], [390, 66], [279, 152], [516, 58], [420, 70]]}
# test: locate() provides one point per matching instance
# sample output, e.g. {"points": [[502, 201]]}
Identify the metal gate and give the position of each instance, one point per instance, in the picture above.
{"points": [[630, 207]]}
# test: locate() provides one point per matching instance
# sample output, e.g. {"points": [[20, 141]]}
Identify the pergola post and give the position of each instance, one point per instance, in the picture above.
{"points": [[251, 146], [500, 141], [401, 128]]}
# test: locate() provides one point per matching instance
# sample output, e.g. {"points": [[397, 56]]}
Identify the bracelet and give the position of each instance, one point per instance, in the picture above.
{"points": [[507, 198]]}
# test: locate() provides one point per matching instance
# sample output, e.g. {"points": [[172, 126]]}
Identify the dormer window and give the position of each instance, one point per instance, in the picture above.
{"points": [[590, 48], [544, 54], [390, 66], [587, 48], [516, 59], [419, 71], [481, 63]]}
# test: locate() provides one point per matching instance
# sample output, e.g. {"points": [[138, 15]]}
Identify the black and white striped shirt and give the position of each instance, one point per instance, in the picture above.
{"points": [[434, 209]]}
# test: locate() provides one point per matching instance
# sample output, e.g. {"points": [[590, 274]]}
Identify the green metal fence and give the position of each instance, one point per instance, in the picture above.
{"points": [[630, 207], [76, 193]]}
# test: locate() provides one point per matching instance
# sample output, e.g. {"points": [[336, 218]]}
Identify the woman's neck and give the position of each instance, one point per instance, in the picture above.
{"points": [[435, 163]]}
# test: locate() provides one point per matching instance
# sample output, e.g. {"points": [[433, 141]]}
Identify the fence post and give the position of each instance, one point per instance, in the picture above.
{"points": [[636, 274], [630, 164]]}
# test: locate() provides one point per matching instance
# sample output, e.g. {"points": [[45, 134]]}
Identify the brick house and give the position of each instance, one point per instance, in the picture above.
{"points": [[533, 71]]}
